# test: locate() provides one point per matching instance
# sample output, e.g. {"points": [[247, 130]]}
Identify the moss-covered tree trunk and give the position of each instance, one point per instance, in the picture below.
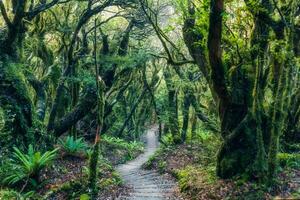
{"points": [[16, 103], [185, 112], [13, 90], [172, 108], [193, 126], [14, 96], [239, 148], [100, 85]]}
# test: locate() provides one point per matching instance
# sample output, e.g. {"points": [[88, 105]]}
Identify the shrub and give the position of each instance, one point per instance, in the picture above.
{"points": [[11, 194], [167, 139], [195, 178], [130, 148], [27, 166], [72, 146]]}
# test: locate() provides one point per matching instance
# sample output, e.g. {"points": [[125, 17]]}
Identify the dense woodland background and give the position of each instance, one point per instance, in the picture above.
{"points": [[81, 80]]}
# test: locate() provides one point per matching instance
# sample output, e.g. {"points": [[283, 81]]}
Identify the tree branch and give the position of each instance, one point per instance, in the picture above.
{"points": [[41, 8], [163, 37], [40, 91], [4, 14], [86, 104]]}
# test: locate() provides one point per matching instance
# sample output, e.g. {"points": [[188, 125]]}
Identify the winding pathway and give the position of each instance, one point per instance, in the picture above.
{"points": [[146, 184]]}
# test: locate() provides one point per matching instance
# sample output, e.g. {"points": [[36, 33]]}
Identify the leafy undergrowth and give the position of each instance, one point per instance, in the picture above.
{"points": [[68, 180], [66, 177], [193, 165], [118, 151]]}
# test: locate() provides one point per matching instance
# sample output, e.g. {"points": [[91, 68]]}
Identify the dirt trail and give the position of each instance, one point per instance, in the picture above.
{"points": [[146, 184]]}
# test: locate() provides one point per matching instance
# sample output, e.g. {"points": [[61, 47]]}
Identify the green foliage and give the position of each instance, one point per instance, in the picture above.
{"points": [[291, 147], [126, 62], [16, 104], [296, 194], [73, 189], [115, 143], [112, 180], [162, 166], [195, 177], [107, 175], [84, 197], [289, 160], [153, 158], [167, 139], [53, 75], [72, 146], [14, 195], [27, 166], [46, 42]]}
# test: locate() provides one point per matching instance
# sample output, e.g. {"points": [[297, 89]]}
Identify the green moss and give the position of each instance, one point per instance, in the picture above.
{"points": [[93, 168], [2, 119], [236, 158], [15, 101], [233, 163], [12, 73], [227, 165]]}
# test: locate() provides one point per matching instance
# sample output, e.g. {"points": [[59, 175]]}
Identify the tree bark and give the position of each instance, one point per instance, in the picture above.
{"points": [[172, 108], [15, 101], [41, 96], [185, 111], [85, 105]]}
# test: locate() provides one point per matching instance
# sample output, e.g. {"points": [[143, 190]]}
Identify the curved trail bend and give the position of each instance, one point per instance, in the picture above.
{"points": [[146, 184]]}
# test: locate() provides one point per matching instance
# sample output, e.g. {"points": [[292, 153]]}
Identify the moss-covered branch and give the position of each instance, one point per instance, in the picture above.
{"points": [[86, 103]]}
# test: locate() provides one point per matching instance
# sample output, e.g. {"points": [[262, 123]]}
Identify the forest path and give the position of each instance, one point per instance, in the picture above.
{"points": [[146, 184]]}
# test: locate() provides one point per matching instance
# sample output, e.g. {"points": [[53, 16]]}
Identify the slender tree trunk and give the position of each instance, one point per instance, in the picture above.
{"points": [[185, 111], [194, 126], [100, 85], [172, 108]]}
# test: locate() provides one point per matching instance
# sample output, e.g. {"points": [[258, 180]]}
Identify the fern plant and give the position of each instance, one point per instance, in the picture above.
{"points": [[11, 194], [130, 148], [72, 146], [27, 166]]}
